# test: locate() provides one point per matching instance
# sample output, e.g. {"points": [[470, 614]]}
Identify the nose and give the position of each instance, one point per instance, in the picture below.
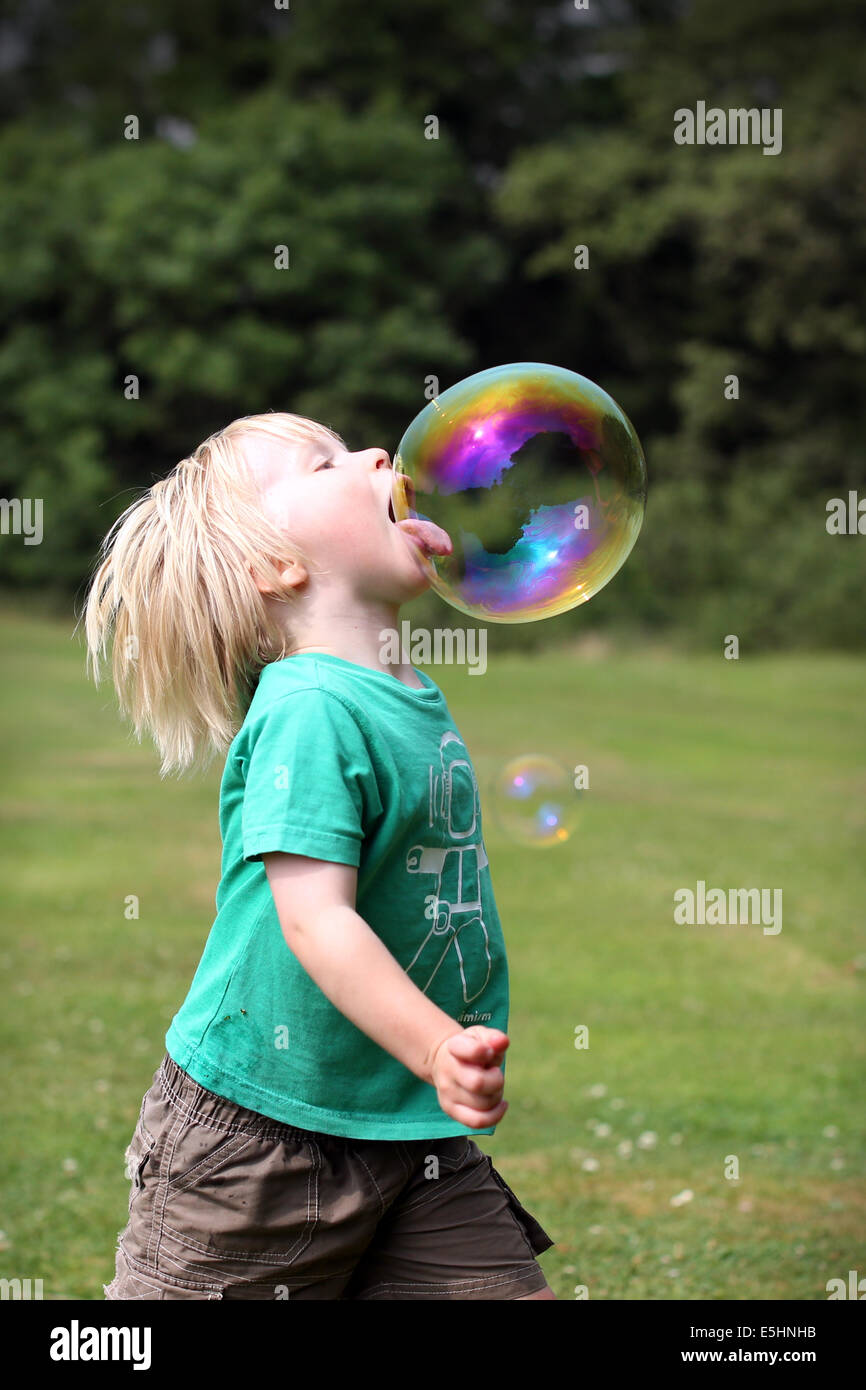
{"points": [[381, 460]]}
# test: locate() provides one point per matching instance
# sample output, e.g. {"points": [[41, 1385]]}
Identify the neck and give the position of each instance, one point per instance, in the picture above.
{"points": [[363, 640]]}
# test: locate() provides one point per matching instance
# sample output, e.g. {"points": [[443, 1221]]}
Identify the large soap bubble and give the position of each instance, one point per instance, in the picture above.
{"points": [[539, 480]]}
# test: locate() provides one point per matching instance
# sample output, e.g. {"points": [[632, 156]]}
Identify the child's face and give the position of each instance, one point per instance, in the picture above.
{"points": [[336, 505]]}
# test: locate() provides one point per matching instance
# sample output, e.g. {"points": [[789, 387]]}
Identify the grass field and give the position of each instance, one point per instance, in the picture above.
{"points": [[709, 1041]]}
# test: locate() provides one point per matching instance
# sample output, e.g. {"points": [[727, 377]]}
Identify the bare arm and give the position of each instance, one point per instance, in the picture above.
{"points": [[315, 902]]}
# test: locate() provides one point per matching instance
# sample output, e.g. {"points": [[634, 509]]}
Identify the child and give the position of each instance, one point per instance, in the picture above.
{"points": [[307, 1133]]}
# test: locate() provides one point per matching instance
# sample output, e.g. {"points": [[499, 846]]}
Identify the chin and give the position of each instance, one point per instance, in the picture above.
{"points": [[420, 582], [421, 585]]}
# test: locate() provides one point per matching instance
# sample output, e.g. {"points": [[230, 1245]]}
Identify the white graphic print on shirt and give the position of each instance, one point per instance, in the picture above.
{"points": [[458, 938]]}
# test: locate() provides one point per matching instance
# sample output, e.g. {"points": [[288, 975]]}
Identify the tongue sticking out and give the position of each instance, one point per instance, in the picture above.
{"points": [[427, 535]]}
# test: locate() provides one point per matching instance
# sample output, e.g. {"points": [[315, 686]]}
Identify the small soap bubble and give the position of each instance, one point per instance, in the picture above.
{"points": [[534, 802]]}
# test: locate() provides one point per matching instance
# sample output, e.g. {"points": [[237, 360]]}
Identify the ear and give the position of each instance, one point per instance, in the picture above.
{"points": [[291, 577]]}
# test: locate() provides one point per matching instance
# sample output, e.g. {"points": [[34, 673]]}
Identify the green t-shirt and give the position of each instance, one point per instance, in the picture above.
{"points": [[340, 762]]}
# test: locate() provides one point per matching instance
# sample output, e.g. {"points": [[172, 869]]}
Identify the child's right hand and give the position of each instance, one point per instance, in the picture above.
{"points": [[468, 1078]]}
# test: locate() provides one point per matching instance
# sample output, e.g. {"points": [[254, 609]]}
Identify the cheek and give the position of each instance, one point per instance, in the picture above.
{"points": [[346, 530], [337, 541], [277, 508]]}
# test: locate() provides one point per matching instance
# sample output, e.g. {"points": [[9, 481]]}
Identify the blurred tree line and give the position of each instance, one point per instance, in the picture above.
{"points": [[304, 126]]}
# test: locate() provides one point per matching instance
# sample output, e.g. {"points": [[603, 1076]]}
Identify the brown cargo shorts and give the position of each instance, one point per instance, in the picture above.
{"points": [[226, 1203]]}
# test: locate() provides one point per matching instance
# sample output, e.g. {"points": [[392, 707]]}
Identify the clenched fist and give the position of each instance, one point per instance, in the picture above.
{"points": [[468, 1078]]}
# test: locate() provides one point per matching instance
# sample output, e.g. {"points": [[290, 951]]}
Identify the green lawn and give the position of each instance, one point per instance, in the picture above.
{"points": [[713, 1041]]}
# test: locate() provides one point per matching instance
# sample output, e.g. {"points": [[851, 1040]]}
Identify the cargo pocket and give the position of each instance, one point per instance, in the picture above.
{"points": [[137, 1157], [240, 1202], [536, 1237]]}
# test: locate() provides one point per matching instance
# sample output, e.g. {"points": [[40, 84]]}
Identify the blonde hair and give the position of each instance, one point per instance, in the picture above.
{"points": [[174, 581]]}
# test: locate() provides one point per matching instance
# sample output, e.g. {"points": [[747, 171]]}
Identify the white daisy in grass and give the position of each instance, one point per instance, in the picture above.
{"points": [[680, 1199]]}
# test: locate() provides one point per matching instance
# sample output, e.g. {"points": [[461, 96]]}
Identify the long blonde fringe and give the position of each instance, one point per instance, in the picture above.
{"points": [[173, 583]]}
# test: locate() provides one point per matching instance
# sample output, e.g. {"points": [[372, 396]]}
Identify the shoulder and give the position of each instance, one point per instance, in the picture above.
{"points": [[301, 702]]}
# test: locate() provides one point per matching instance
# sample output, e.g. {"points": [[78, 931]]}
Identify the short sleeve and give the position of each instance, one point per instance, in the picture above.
{"points": [[309, 782]]}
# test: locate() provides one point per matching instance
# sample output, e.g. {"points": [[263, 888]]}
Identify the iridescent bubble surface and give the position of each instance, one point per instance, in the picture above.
{"points": [[539, 479], [534, 802]]}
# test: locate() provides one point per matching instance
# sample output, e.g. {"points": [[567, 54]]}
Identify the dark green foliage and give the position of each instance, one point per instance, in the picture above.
{"points": [[413, 257]]}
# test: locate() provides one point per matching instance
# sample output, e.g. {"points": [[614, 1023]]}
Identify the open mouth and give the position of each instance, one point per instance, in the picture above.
{"points": [[408, 495], [418, 529]]}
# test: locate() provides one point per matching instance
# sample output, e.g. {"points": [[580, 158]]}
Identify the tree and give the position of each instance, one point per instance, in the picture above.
{"points": [[153, 269]]}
